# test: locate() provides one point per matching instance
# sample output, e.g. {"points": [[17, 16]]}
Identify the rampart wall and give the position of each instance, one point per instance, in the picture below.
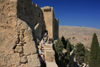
{"points": [[18, 47], [21, 24]]}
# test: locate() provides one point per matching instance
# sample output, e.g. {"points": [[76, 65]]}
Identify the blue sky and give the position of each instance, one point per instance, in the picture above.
{"points": [[85, 13]]}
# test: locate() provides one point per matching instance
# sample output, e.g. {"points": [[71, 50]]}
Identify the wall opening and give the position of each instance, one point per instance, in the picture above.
{"points": [[46, 31]]}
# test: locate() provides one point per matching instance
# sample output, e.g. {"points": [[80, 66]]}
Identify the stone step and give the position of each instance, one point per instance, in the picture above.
{"points": [[51, 64]]}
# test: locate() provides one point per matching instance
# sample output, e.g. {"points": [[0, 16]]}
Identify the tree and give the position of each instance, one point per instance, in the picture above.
{"points": [[80, 53], [94, 51], [64, 41], [86, 56], [62, 59], [58, 52], [68, 52], [59, 46], [98, 58]]}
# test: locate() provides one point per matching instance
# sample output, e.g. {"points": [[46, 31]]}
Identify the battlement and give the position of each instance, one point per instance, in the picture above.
{"points": [[47, 9]]}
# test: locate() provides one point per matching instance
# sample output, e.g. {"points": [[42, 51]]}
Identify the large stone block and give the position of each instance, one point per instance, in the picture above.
{"points": [[13, 59], [33, 61], [19, 49], [30, 48]]}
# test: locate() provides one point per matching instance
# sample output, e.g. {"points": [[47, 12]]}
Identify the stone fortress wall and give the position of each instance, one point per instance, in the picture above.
{"points": [[50, 21], [21, 24], [32, 14]]}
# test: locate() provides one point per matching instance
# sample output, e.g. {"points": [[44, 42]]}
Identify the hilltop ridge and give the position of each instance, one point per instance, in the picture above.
{"points": [[79, 34]]}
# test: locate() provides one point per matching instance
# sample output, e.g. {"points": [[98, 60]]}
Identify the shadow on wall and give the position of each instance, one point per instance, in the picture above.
{"points": [[32, 15], [25, 12]]}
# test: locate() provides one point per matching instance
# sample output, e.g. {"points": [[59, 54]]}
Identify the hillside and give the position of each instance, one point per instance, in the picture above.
{"points": [[79, 34]]}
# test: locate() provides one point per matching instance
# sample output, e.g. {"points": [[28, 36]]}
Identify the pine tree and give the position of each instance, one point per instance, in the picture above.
{"points": [[59, 46], [94, 51], [64, 41], [98, 58], [80, 53], [68, 52], [58, 52], [86, 58]]}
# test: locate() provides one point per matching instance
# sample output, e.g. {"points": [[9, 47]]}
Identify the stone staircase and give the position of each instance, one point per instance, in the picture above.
{"points": [[49, 54]]}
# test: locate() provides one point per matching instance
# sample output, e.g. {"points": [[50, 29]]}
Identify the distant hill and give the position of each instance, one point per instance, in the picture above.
{"points": [[79, 34]]}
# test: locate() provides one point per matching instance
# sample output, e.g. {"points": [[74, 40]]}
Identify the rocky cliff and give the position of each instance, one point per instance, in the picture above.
{"points": [[79, 34]]}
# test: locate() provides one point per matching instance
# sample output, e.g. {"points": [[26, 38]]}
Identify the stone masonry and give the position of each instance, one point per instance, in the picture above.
{"points": [[22, 24], [51, 22]]}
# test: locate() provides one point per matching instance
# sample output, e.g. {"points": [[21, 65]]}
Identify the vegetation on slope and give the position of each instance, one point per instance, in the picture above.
{"points": [[94, 50]]}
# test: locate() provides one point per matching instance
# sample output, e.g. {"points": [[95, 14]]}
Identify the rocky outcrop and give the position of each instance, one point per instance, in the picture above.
{"points": [[17, 44], [79, 34]]}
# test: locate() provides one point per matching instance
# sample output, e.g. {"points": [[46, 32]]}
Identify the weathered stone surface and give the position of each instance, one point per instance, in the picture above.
{"points": [[10, 45], [18, 49], [11, 14], [7, 42], [28, 32], [23, 65], [23, 59], [23, 25], [50, 64], [33, 61], [13, 0], [2, 61], [28, 38], [13, 59], [30, 48], [2, 54]]}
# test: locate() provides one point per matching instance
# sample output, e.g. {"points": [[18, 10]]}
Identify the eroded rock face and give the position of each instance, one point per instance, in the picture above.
{"points": [[14, 48], [16, 37]]}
